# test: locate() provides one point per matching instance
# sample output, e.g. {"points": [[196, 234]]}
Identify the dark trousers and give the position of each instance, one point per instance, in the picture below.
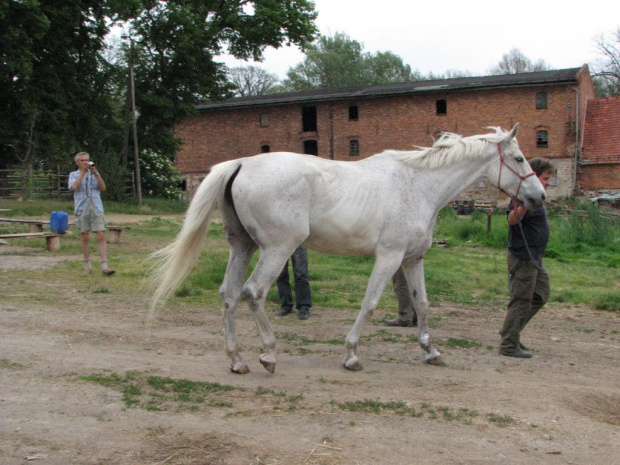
{"points": [[406, 311], [302, 284], [529, 291]]}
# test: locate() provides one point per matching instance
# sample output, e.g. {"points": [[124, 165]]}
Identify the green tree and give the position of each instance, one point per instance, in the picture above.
{"points": [[60, 92], [176, 46], [339, 61], [54, 97]]}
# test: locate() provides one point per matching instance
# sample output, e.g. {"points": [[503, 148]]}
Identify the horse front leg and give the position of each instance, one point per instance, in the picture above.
{"points": [[414, 271], [239, 259], [383, 270]]}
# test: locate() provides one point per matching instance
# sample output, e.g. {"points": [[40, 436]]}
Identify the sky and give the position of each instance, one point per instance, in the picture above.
{"points": [[460, 35]]}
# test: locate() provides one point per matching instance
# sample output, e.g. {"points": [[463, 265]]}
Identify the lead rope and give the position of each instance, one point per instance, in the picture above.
{"points": [[522, 178]]}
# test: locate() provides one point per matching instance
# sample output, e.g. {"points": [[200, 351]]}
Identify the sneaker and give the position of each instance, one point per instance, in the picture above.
{"points": [[519, 353], [108, 272], [304, 313], [285, 311], [523, 347]]}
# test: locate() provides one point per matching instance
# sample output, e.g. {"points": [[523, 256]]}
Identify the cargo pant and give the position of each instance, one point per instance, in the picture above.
{"points": [[529, 291]]}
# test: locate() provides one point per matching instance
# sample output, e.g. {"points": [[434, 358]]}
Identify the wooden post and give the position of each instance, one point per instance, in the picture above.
{"points": [[52, 242], [114, 235], [489, 216]]}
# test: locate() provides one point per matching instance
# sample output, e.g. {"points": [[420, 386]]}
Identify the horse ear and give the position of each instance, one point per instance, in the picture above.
{"points": [[513, 132]]}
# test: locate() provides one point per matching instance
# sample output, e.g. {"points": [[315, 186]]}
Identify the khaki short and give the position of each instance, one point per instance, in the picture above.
{"points": [[89, 220]]}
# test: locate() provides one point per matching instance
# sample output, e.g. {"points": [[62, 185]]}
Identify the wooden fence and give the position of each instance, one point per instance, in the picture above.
{"points": [[46, 183], [50, 183]]}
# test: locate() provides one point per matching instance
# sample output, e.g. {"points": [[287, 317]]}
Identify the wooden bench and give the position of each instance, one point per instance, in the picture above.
{"points": [[114, 236], [52, 241], [482, 205], [34, 226]]}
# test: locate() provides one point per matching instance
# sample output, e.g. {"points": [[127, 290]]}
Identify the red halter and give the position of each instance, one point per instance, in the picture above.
{"points": [[502, 163]]}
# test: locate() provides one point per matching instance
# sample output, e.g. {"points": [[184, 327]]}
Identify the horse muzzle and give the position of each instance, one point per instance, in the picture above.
{"points": [[534, 203]]}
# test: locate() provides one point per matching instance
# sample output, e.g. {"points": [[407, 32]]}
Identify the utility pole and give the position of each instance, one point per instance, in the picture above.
{"points": [[132, 96]]}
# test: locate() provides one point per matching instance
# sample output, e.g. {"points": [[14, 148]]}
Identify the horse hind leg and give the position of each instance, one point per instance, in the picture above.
{"points": [[240, 255], [255, 290]]}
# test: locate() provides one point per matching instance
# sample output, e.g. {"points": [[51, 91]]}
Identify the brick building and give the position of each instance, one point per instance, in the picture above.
{"points": [[354, 123], [599, 166]]}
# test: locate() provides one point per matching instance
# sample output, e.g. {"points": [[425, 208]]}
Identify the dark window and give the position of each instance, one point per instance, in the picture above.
{"points": [[541, 100], [265, 149], [308, 115], [442, 107], [264, 121], [353, 112], [311, 147], [542, 139], [354, 147]]}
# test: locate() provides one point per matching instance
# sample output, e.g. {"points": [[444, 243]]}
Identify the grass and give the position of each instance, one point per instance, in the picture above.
{"points": [[156, 393], [470, 271], [44, 206], [426, 410]]}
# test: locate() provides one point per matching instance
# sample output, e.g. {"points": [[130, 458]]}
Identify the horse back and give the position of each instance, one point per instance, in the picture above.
{"points": [[334, 207]]}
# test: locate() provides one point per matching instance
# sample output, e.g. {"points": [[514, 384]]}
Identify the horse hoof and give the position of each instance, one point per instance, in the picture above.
{"points": [[437, 361], [357, 366], [269, 366], [241, 370]]}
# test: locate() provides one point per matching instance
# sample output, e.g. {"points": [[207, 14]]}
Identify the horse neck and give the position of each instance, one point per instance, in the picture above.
{"points": [[448, 182]]}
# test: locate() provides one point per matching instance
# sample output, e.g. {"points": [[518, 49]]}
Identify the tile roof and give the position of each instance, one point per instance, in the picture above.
{"points": [[601, 140], [561, 76]]}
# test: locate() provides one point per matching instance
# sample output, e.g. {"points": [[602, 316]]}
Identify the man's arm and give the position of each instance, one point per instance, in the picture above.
{"points": [[100, 180], [517, 213], [76, 184]]}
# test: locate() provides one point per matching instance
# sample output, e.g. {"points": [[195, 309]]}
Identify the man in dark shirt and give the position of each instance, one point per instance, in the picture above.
{"points": [[528, 281]]}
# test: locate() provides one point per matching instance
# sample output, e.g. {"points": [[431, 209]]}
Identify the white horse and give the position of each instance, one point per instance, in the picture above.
{"points": [[384, 206]]}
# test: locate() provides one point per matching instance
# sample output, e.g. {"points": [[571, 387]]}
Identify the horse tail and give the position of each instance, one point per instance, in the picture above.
{"points": [[175, 261]]}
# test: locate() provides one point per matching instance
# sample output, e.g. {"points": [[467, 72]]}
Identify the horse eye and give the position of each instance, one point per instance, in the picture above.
{"points": [[519, 159]]}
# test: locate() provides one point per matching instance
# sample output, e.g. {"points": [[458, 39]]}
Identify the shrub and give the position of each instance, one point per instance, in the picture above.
{"points": [[159, 176]]}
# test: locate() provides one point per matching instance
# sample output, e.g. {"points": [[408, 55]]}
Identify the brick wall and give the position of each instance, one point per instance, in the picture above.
{"points": [[600, 178], [394, 122]]}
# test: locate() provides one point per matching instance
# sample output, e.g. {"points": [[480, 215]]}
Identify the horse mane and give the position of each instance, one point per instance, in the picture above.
{"points": [[449, 148]]}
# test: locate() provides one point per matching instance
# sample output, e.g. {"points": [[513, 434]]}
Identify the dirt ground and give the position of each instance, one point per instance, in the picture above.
{"points": [[560, 407]]}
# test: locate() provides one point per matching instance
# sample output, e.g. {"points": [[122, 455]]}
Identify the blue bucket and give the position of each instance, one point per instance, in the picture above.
{"points": [[59, 221]]}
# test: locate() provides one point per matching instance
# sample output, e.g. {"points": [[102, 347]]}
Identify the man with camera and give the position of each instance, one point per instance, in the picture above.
{"points": [[87, 185]]}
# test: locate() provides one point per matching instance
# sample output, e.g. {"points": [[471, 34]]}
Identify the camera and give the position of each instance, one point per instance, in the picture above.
{"points": [[91, 163]]}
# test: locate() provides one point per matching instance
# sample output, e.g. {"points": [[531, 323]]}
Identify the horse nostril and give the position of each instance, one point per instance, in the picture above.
{"points": [[544, 196]]}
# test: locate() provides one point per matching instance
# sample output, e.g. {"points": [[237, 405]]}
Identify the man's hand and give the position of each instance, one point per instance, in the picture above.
{"points": [[517, 213]]}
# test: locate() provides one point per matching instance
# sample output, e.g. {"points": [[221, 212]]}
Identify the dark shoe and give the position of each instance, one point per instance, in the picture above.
{"points": [[519, 353], [285, 311], [108, 272], [399, 322], [523, 347], [304, 313]]}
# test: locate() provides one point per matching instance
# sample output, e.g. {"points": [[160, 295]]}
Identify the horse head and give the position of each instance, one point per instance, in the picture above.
{"points": [[513, 175]]}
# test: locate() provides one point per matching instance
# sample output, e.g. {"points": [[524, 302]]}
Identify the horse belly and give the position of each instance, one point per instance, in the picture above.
{"points": [[326, 237]]}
